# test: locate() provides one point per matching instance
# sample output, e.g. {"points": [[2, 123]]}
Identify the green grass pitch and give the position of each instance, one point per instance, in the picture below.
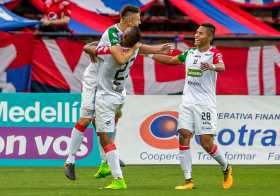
{"points": [[141, 180]]}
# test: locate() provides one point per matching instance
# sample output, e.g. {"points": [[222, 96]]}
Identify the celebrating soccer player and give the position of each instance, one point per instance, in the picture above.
{"points": [[198, 113], [130, 17], [110, 95]]}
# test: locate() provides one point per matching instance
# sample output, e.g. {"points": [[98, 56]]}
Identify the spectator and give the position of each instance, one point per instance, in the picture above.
{"points": [[56, 15]]}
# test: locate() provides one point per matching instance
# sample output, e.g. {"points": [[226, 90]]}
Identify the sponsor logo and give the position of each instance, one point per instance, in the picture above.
{"points": [[193, 83], [194, 72], [40, 143], [247, 137], [61, 112], [160, 130]]}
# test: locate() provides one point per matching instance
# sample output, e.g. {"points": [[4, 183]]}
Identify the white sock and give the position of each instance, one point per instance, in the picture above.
{"points": [[186, 161], [113, 161], [219, 157], [76, 141]]}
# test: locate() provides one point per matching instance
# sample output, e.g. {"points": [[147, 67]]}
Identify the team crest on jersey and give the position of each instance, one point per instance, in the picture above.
{"points": [[160, 130]]}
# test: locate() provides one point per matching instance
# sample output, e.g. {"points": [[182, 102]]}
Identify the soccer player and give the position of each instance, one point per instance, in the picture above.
{"points": [[197, 112], [130, 17], [110, 95]]}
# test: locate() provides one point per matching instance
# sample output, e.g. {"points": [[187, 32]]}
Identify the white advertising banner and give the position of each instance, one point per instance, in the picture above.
{"points": [[248, 130]]}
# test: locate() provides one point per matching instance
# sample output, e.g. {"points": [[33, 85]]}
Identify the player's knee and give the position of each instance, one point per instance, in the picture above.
{"points": [[206, 147], [105, 139], [102, 139], [184, 137], [206, 143], [184, 133]]}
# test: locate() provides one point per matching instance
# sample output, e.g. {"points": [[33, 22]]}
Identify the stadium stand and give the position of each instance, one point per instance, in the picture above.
{"points": [[238, 26]]}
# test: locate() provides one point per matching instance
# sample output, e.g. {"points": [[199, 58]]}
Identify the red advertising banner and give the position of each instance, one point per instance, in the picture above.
{"points": [[58, 66]]}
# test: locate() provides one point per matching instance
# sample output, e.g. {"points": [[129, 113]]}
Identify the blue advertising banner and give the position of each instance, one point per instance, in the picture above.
{"points": [[35, 130]]}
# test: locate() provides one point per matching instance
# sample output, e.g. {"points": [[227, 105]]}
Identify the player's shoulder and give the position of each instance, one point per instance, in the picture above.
{"points": [[113, 28], [187, 50]]}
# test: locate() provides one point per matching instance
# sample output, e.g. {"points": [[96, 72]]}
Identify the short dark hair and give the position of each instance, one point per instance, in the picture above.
{"points": [[210, 27], [134, 36], [129, 9]]}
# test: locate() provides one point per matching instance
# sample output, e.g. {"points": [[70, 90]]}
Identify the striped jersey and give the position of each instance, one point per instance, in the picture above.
{"points": [[112, 76], [200, 86], [111, 37]]}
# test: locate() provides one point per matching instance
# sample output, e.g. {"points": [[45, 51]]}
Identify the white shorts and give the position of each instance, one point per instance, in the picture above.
{"points": [[198, 119], [89, 86], [106, 109]]}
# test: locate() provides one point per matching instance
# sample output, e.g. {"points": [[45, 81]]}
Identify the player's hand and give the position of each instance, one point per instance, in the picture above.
{"points": [[91, 51], [206, 66], [165, 48]]}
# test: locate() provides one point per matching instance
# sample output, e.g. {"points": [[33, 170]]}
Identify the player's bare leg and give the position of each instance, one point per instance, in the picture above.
{"points": [[207, 142], [76, 141], [103, 169], [185, 159], [112, 158]]}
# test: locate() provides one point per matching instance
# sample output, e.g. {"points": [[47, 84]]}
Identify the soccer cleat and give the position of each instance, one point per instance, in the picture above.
{"points": [[117, 184], [189, 185], [69, 171], [228, 178], [103, 171]]}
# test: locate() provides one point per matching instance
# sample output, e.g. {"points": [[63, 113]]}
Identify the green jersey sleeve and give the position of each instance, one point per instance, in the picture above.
{"points": [[113, 36], [182, 57]]}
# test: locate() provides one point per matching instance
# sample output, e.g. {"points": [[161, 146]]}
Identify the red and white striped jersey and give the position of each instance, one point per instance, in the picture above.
{"points": [[112, 76], [200, 86]]}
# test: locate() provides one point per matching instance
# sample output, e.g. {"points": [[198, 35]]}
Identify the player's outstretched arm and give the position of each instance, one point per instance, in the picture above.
{"points": [[165, 59], [155, 49], [122, 56]]}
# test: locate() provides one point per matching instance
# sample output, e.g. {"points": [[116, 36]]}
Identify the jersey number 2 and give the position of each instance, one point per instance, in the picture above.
{"points": [[119, 76]]}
